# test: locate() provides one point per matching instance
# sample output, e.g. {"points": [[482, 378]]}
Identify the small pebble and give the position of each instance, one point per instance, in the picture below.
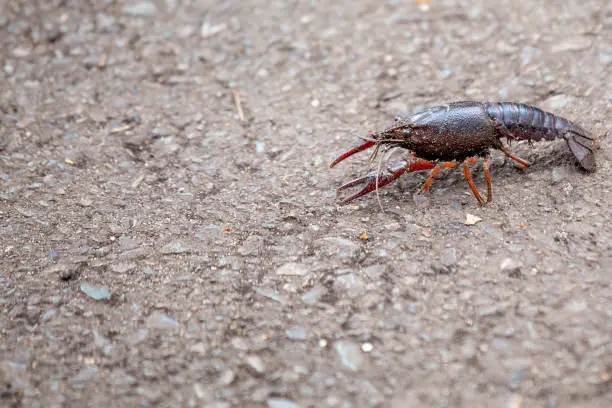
{"points": [[448, 257], [471, 219], [350, 355], [270, 294], [122, 267], [199, 348], [313, 295], [255, 364], [292, 269], [48, 315], [342, 248], [96, 292], [572, 44], [209, 29], [226, 378], [142, 9], [162, 322], [559, 174], [349, 284], [493, 310], [253, 245], [84, 377], [297, 333], [174, 248], [281, 403], [510, 267]]}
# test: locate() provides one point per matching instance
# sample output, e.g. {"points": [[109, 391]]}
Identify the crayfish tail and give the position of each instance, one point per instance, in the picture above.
{"points": [[583, 148]]}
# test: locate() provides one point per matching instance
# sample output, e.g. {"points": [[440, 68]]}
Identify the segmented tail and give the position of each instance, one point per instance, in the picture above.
{"points": [[524, 122], [583, 147]]}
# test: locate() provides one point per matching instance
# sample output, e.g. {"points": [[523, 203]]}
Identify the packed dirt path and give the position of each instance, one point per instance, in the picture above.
{"points": [[170, 233]]}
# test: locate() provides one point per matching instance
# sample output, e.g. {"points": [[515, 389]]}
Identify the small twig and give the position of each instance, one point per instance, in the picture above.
{"points": [[238, 104]]}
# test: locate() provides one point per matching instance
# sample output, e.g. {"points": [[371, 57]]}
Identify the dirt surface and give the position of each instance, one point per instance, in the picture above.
{"points": [[171, 235]]}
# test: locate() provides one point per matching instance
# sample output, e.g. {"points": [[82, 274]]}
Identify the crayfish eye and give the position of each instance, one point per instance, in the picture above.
{"points": [[398, 118]]}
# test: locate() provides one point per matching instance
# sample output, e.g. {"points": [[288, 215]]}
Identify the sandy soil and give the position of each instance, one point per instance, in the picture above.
{"points": [[170, 234]]}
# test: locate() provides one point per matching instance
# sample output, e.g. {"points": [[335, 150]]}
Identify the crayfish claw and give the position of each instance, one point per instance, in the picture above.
{"points": [[355, 182], [370, 179], [374, 181], [365, 144]]}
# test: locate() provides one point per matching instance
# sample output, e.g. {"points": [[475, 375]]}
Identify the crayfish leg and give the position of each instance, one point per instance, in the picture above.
{"points": [[468, 177], [434, 174], [524, 163], [486, 165]]}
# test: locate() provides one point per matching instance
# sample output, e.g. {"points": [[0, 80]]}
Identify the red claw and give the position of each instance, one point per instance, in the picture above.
{"points": [[366, 144], [371, 184], [373, 180]]}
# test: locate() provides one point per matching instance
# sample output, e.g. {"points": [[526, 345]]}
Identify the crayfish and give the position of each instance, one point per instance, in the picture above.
{"points": [[442, 137]]}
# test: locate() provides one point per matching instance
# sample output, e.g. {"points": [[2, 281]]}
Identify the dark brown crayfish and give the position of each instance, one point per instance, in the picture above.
{"points": [[442, 136]]}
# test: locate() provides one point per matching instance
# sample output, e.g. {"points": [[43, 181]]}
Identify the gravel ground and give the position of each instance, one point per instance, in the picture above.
{"points": [[170, 234]]}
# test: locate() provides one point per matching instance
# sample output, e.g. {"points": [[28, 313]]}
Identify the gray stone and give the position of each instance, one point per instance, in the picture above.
{"points": [[84, 377], [127, 243], [209, 233], [209, 29], [576, 43], [511, 267], [175, 247], [162, 322], [297, 333], [342, 248], [199, 348], [375, 272], [253, 245], [226, 378], [559, 174], [48, 315], [313, 295], [498, 309], [96, 292], [292, 269], [349, 284], [138, 337], [270, 294], [350, 355], [122, 267], [448, 257], [281, 403], [142, 9], [255, 364]]}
